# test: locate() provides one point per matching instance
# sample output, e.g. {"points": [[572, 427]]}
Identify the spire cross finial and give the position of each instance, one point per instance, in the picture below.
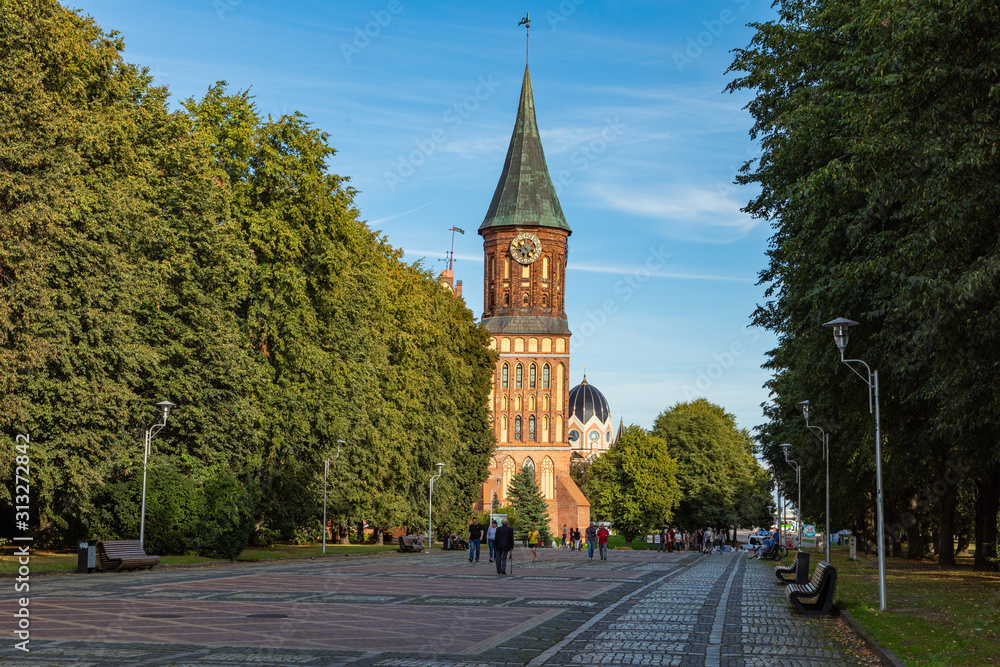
{"points": [[526, 22], [585, 372]]}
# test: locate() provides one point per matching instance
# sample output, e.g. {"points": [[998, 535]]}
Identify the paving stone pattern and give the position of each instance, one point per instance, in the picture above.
{"points": [[427, 610]]}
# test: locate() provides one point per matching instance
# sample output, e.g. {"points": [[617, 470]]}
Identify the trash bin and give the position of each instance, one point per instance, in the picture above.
{"points": [[802, 567], [86, 556], [447, 544]]}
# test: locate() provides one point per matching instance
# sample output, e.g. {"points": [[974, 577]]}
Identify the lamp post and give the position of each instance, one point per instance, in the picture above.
{"points": [[824, 439], [840, 337], [326, 473], [154, 428], [430, 504], [798, 479]]}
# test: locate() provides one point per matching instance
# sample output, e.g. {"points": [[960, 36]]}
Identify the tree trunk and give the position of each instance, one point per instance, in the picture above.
{"points": [[343, 534], [894, 534], [361, 532], [987, 508], [915, 548], [379, 536], [946, 530]]}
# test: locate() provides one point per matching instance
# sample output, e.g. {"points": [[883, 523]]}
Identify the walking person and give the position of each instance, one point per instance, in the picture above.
{"points": [[563, 545], [670, 540], [663, 541], [707, 539], [491, 534], [475, 538], [503, 545], [591, 534], [533, 540], [602, 541], [576, 539]]}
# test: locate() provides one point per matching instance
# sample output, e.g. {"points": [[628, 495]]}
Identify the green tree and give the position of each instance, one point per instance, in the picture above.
{"points": [[721, 483], [634, 484], [530, 505], [879, 175]]}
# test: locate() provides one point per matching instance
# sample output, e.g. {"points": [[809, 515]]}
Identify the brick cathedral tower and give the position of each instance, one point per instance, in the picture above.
{"points": [[525, 245]]}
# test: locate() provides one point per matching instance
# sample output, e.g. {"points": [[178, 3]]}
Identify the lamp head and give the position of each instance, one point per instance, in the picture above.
{"points": [[804, 406], [166, 407], [341, 442], [440, 467], [785, 447], [840, 327]]}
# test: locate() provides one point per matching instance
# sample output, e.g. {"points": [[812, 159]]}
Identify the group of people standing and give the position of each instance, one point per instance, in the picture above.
{"points": [[500, 540], [707, 540]]}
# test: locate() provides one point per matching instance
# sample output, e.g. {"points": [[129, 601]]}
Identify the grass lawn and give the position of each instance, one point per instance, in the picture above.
{"points": [[47, 561], [936, 615]]}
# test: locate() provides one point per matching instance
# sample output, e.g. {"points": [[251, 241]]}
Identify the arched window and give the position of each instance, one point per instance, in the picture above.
{"points": [[531, 402], [506, 300], [493, 463], [503, 428], [517, 427], [545, 376], [518, 373], [506, 268], [545, 268], [545, 428], [508, 475], [545, 403], [524, 299], [528, 464], [531, 428], [545, 300], [548, 479], [493, 268], [531, 376], [517, 402], [503, 403], [504, 379]]}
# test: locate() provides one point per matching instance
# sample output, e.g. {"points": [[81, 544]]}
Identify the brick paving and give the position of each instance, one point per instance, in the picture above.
{"points": [[426, 610]]}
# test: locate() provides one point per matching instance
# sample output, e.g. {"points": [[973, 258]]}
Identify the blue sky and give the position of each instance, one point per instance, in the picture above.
{"points": [[419, 100]]}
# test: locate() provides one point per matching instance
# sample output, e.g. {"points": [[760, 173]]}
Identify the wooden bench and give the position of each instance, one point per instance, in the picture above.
{"points": [[118, 555], [409, 544], [819, 590], [797, 571]]}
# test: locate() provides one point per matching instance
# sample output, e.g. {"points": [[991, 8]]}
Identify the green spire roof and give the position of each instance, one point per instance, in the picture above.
{"points": [[525, 194]]}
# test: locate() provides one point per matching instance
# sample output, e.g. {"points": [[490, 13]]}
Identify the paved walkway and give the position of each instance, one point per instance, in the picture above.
{"points": [[430, 609]]}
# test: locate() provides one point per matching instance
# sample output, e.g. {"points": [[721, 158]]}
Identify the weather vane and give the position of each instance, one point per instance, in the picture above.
{"points": [[526, 22]]}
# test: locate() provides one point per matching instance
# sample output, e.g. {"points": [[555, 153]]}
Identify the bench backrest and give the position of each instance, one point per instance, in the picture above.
{"points": [[817, 577], [123, 548]]}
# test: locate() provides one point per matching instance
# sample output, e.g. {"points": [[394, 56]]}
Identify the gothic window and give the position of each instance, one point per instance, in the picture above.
{"points": [[517, 376], [506, 268], [548, 479], [531, 403], [493, 268], [493, 463], [531, 376], [517, 402], [503, 404], [545, 376], [504, 379], [524, 299], [517, 427], [531, 428], [503, 429], [545, 300], [545, 403], [508, 475], [528, 464], [545, 268], [506, 300], [545, 428]]}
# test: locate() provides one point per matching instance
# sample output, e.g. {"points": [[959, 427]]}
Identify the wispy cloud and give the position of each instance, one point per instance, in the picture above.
{"points": [[618, 270]]}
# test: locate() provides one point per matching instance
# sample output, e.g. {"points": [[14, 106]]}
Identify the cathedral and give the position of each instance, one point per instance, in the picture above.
{"points": [[539, 422]]}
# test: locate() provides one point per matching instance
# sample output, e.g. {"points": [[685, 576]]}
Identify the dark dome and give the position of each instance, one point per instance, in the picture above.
{"points": [[585, 401]]}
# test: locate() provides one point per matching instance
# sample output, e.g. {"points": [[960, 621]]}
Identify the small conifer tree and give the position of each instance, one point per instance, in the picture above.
{"points": [[532, 510]]}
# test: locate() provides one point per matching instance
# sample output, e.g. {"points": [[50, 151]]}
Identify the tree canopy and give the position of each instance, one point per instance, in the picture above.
{"points": [[879, 174], [209, 256], [530, 506], [634, 484]]}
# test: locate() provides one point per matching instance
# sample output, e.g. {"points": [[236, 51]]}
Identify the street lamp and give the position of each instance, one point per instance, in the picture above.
{"points": [[824, 439], [840, 337], [798, 478], [154, 428], [326, 472], [430, 503]]}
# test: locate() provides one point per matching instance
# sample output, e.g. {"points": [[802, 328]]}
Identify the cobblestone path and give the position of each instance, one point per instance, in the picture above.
{"points": [[429, 610]]}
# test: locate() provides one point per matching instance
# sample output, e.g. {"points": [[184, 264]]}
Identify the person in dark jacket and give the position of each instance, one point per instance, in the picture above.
{"points": [[503, 544], [475, 537]]}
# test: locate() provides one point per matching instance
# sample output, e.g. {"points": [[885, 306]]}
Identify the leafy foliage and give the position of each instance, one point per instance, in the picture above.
{"points": [[879, 174], [634, 484]]}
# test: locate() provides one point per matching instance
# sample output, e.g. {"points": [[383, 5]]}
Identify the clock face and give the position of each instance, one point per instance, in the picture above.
{"points": [[525, 248]]}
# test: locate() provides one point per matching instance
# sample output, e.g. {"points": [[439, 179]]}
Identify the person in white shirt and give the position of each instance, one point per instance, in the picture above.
{"points": [[491, 534]]}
